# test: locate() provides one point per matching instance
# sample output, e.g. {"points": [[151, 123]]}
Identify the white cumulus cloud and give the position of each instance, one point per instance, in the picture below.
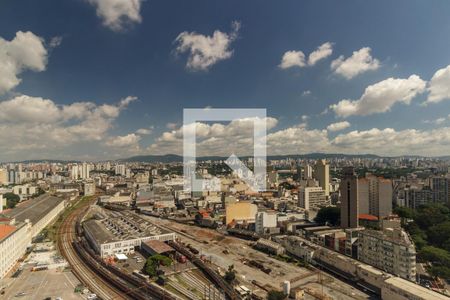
{"points": [[338, 126], [323, 51], [216, 138], [38, 126], [129, 140], [205, 51], [145, 131], [439, 86], [391, 142], [25, 52], [294, 58], [361, 61], [117, 14], [381, 96]]}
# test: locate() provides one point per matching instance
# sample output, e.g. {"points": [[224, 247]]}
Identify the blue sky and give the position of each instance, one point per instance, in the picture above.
{"points": [[89, 56]]}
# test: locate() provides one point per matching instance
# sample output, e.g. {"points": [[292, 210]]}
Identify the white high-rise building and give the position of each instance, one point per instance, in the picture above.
{"points": [[85, 170], [120, 170], [322, 175], [74, 172], [312, 197], [307, 171]]}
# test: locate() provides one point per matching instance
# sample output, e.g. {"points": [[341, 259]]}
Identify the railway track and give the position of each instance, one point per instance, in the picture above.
{"points": [[66, 236], [106, 281]]}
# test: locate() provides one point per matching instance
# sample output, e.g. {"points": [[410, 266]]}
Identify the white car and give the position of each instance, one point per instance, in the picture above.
{"points": [[92, 297]]}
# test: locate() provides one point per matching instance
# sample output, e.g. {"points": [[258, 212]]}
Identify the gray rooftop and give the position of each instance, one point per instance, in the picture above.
{"points": [[118, 226], [101, 234], [34, 209]]}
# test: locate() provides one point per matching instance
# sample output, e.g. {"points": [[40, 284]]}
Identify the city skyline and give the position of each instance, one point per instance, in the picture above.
{"points": [[85, 80]]}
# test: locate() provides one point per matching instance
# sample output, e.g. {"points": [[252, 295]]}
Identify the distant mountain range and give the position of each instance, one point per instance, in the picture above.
{"points": [[169, 158], [40, 161], [173, 158]]}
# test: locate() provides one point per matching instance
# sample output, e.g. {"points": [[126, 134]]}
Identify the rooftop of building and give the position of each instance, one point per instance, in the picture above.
{"points": [[34, 209], [269, 243], [389, 235], [414, 289], [158, 246], [367, 217], [6, 230], [317, 228], [118, 226]]}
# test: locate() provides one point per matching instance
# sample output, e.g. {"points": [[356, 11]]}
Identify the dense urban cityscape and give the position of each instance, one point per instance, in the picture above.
{"points": [[336, 228]]}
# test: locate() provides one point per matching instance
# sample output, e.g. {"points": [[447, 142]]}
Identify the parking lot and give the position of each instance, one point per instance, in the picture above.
{"points": [[42, 284]]}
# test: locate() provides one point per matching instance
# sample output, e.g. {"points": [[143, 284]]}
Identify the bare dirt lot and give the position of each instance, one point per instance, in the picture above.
{"points": [[224, 251]]}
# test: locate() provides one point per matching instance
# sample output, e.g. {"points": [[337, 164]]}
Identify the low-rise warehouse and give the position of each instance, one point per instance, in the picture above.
{"points": [[40, 212], [153, 247], [121, 232]]}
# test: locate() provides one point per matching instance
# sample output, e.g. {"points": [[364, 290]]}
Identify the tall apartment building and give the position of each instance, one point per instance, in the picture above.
{"points": [[74, 172], [312, 197], [80, 171], [415, 196], [390, 250], [307, 171], [322, 175], [120, 170], [85, 171], [440, 187], [3, 176], [375, 196], [349, 199]]}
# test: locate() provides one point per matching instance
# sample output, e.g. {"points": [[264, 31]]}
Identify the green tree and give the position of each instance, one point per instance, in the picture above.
{"points": [[154, 262], [418, 236], [11, 200], [276, 295], [230, 274], [404, 213], [331, 215], [439, 234], [440, 271], [431, 214], [435, 255]]}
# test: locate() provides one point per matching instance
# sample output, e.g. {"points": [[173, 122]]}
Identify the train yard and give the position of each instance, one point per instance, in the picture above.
{"points": [[108, 281]]}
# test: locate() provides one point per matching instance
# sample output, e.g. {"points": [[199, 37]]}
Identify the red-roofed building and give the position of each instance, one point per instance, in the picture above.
{"points": [[369, 221], [14, 240], [367, 217], [5, 230], [157, 247]]}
